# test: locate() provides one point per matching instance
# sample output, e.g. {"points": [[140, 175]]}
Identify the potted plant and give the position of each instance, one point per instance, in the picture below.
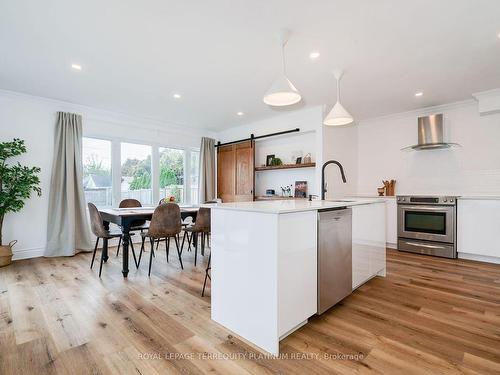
{"points": [[17, 182]]}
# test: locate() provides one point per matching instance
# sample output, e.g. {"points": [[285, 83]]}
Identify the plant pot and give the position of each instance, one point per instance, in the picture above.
{"points": [[6, 254]]}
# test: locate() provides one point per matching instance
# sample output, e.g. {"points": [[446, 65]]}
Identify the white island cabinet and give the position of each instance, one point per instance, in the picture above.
{"points": [[264, 264], [478, 228]]}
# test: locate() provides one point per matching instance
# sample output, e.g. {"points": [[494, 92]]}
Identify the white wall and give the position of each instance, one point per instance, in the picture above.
{"points": [[308, 140], [341, 143], [33, 119], [472, 169]]}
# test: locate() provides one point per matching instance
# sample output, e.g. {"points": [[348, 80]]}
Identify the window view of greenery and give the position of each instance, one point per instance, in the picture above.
{"points": [[136, 172], [97, 180], [172, 174], [178, 170], [195, 165]]}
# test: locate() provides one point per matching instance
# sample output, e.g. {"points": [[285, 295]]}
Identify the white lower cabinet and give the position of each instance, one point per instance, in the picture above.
{"points": [[478, 228], [368, 242]]}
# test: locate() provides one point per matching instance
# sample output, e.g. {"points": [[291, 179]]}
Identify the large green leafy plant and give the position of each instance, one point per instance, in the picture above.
{"points": [[17, 181]]}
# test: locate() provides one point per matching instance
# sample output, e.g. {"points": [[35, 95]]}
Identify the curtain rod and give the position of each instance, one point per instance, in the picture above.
{"points": [[253, 137]]}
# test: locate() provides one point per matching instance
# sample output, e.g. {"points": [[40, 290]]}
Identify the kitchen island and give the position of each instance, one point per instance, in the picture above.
{"points": [[265, 262]]}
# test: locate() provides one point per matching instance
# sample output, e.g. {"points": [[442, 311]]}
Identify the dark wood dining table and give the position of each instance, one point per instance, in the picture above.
{"points": [[125, 217]]}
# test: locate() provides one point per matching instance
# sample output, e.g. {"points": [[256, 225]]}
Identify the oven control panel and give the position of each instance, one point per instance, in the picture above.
{"points": [[428, 200]]}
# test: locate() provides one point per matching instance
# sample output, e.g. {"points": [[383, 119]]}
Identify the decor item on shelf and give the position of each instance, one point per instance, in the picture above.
{"points": [[269, 159], [296, 154], [276, 161], [270, 192], [390, 187], [17, 182], [338, 115], [307, 159], [286, 191], [300, 189], [298, 160], [282, 92], [381, 191]]}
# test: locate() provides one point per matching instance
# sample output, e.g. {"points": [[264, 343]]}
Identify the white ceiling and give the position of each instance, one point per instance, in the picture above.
{"points": [[222, 55]]}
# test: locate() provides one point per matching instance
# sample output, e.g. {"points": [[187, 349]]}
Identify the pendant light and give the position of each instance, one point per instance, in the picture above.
{"points": [[338, 115], [282, 92]]}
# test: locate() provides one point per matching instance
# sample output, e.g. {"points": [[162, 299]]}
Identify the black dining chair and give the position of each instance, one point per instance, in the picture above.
{"points": [[97, 226]]}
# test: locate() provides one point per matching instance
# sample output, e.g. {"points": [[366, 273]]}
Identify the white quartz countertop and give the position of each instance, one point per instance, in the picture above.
{"points": [[286, 206], [480, 197]]}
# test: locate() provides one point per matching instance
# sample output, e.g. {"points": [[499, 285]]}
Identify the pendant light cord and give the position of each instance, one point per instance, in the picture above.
{"points": [[283, 57], [338, 89]]}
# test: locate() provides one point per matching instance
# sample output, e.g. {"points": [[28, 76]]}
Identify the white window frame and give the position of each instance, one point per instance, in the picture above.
{"points": [[155, 166]]}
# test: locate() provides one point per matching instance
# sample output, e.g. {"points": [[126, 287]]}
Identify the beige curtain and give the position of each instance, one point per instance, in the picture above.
{"points": [[207, 170], [68, 230]]}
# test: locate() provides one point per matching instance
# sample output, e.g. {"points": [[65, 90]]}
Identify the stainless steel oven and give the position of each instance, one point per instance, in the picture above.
{"points": [[427, 225]]}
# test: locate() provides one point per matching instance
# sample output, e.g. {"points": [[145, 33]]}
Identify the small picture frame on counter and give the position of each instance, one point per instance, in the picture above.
{"points": [[300, 189], [298, 160], [269, 160]]}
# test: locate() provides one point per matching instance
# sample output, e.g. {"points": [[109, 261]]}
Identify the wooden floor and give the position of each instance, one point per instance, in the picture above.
{"points": [[429, 316]]}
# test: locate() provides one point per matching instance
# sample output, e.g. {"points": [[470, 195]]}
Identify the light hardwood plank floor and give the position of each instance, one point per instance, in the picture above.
{"points": [[428, 316]]}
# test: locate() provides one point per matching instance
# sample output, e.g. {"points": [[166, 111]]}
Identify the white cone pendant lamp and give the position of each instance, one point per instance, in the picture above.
{"points": [[338, 115], [282, 92]]}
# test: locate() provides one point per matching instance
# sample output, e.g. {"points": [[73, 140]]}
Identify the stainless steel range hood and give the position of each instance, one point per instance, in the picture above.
{"points": [[430, 134]]}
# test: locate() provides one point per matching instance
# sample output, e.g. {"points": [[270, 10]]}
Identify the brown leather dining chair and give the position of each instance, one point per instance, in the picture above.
{"points": [[201, 226], [97, 226], [136, 226], [184, 224], [165, 224]]}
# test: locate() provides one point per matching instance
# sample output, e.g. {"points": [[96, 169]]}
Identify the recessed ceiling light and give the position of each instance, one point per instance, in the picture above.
{"points": [[177, 96], [240, 113], [76, 66], [314, 55], [419, 93]]}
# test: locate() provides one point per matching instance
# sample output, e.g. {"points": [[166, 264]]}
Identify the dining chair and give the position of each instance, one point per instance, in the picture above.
{"points": [[184, 223], [99, 230], [165, 224], [136, 225], [201, 226], [207, 275]]}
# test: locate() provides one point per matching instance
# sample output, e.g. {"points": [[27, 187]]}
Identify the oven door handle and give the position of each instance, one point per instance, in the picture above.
{"points": [[424, 245], [423, 208]]}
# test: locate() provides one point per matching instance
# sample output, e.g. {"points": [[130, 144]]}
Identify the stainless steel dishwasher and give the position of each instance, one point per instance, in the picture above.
{"points": [[334, 256]]}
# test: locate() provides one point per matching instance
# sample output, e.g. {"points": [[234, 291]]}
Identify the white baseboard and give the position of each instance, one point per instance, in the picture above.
{"points": [[480, 258], [391, 245], [34, 252]]}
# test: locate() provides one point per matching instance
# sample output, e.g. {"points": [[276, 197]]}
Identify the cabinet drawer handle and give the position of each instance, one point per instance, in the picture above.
{"points": [[424, 245]]}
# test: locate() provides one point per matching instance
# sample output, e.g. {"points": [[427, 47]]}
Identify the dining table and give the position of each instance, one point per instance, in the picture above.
{"points": [[125, 219]]}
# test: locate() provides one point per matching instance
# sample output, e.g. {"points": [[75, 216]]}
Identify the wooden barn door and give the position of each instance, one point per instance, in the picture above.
{"points": [[235, 172]]}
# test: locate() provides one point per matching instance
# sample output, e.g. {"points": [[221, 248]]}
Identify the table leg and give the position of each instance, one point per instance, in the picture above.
{"points": [[125, 244], [105, 256]]}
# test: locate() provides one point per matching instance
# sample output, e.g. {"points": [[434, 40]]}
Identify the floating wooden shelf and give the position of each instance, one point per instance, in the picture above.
{"points": [[285, 166]]}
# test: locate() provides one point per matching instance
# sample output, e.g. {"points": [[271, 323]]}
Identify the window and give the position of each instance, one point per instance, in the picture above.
{"points": [[194, 180], [114, 170], [136, 173], [172, 174], [97, 181]]}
